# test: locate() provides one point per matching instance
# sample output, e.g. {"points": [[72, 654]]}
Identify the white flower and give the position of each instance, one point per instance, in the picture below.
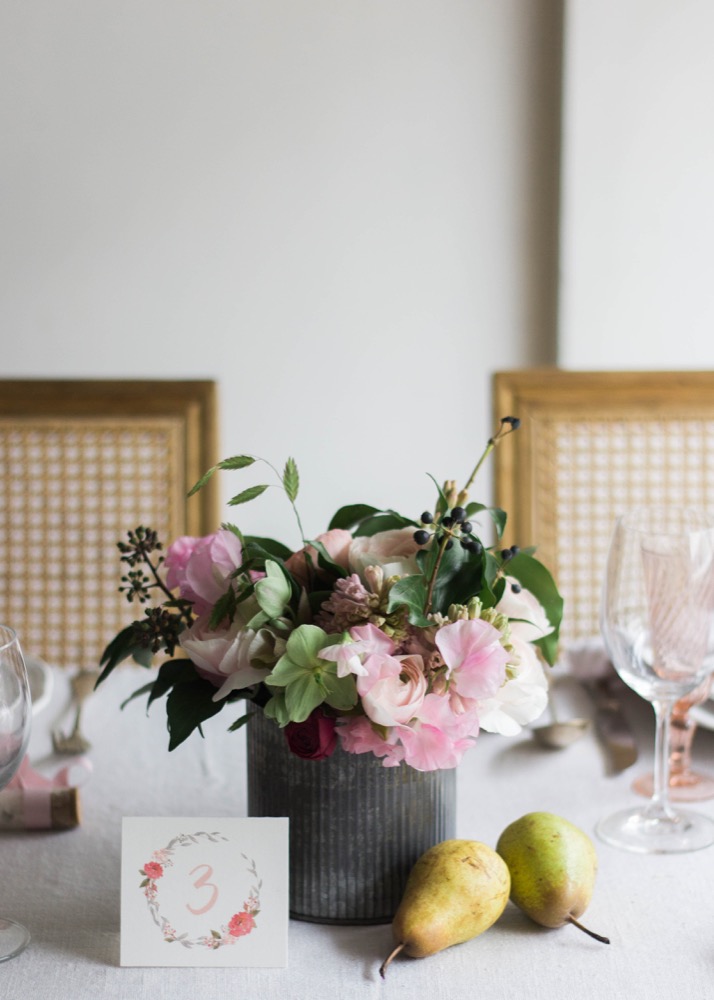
{"points": [[395, 551], [520, 700]]}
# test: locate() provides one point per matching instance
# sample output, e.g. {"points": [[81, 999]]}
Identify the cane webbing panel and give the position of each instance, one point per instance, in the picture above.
{"points": [[81, 464], [69, 492], [591, 446]]}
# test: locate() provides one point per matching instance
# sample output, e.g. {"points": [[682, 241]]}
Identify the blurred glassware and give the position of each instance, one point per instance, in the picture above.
{"points": [[657, 607]]}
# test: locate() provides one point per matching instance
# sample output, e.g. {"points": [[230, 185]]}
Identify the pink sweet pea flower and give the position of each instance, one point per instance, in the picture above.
{"points": [[438, 738], [359, 736], [349, 656], [472, 651], [201, 568], [393, 688], [336, 542]]}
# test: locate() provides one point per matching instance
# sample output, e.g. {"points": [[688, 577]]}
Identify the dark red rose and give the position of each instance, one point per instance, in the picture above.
{"points": [[313, 739]]}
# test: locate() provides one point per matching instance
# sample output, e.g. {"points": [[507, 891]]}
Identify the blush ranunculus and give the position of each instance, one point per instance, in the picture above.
{"points": [[313, 739], [395, 551], [336, 541], [201, 568], [241, 923], [393, 688]]}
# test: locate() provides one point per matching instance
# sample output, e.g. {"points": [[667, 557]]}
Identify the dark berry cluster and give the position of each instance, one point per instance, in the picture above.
{"points": [[452, 525], [159, 630], [136, 584], [511, 553], [142, 542]]}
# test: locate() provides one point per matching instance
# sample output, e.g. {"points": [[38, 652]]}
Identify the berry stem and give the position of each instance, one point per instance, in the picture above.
{"points": [[435, 572]]}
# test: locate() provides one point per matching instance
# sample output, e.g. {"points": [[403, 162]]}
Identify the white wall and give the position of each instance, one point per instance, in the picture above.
{"points": [[638, 181], [343, 210]]}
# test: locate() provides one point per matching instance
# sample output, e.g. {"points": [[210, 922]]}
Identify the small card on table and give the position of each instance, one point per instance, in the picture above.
{"points": [[204, 892]]}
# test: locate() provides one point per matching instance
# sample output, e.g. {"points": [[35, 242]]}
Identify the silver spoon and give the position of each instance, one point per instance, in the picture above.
{"points": [[75, 742], [557, 734]]}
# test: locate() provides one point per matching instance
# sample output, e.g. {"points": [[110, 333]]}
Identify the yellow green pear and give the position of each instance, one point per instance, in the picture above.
{"points": [[455, 891], [553, 866]]}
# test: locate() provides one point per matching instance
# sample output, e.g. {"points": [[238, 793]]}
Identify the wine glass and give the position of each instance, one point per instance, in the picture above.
{"points": [[15, 715], [657, 608]]}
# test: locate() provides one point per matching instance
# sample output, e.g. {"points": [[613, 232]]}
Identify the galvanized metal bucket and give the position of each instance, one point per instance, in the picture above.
{"points": [[356, 827]]}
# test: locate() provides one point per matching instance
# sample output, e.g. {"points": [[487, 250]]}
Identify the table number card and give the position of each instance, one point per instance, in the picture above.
{"points": [[204, 892]]}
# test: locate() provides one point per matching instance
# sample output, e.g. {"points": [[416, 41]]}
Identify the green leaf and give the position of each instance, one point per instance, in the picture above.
{"points": [[291, 480], [188, 705], [224, 607], [202, 481], [121, 647], [350, 516], [240, 722], [443, 504], [497, 515], [273, 592], [137, 694], [266, 547], [276, 708], [534, 576], [325, 560], [171, 673], [462, 581], [384, 521], [236, 462], [410, 592], [250, 494]]}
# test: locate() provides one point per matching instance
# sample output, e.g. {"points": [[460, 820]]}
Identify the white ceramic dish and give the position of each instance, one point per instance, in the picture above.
{"points": [[41, 680]]}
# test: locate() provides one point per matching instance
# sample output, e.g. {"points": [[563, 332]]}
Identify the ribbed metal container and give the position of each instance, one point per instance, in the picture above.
{"points": [[356, 827]]}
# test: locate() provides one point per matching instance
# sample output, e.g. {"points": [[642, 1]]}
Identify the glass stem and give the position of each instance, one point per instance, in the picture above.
{"points": [[658, 806]]}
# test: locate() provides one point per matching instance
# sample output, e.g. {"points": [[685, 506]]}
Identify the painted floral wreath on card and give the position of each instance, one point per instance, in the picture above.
{"points": [[240, 924]]}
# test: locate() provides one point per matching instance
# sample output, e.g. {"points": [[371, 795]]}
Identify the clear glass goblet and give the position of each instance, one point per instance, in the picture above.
{"points": [[658, 602], [15, 716]]}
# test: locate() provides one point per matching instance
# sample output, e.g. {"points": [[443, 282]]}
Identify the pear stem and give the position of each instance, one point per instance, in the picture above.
{"points": [[598, 937], [385, 963]]}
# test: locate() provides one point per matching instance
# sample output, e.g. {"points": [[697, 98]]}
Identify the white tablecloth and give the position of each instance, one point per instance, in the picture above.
{"points": [[658, 911]]}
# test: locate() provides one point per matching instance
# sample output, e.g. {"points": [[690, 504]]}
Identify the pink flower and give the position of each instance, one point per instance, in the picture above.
{"points": [[240, 924], [438, 738], [201, 568], [393, 688], [475, 658], [395, 551], [358, 735], [313, 739], [367, 639], [153, 870], [336, 542], [347, 605], [224, 656]]}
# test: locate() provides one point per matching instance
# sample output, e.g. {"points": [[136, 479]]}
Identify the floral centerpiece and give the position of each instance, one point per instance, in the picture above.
{"points": [[394, 636]]}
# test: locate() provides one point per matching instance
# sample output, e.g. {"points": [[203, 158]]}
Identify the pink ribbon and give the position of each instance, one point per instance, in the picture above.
{"points": [[37, 790]]}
